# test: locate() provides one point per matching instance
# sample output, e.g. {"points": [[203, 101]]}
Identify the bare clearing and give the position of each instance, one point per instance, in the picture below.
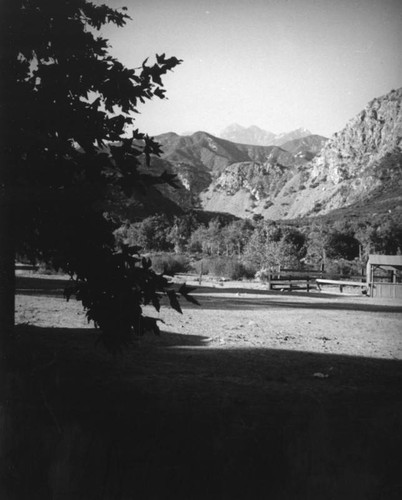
{"points": [[244, 314]]}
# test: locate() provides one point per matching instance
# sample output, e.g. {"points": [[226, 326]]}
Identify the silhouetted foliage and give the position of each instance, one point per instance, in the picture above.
{"points": [[68, 106]]}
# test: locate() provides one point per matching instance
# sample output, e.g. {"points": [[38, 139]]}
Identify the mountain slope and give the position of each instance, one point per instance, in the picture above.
{"points": [[208, 151], [199, 161], [307, 147], [366, 156]]}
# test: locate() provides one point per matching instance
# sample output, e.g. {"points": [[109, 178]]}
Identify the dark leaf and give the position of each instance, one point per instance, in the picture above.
{"points": [[173, 301], [156, 302], [160, 59], [170, 179], [185, 290], [151, 325], [160, 93], [146, 263]]}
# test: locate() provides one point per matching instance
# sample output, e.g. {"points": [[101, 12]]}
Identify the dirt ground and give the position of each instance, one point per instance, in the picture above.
{"points": [[254, 394], [245, 314]]}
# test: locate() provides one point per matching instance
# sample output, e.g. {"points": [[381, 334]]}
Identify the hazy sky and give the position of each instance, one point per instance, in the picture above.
{"points": [[277, 64]]}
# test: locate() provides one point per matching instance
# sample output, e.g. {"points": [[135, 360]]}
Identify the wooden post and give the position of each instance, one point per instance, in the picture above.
{"points": [[269, 282], [200, 277], [372, 280], [308, 283]]}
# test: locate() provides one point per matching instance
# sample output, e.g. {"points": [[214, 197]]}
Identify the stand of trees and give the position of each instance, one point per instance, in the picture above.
{"points": [[263, 244]]}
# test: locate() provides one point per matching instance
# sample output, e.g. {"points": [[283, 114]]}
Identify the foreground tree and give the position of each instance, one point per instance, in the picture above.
{"points": [[66, 107]]}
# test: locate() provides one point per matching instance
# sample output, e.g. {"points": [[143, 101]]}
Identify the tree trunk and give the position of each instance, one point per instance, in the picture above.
{"points": [[7, 275], [8, 100], [7, 291], [7, 301], [7, 246]]}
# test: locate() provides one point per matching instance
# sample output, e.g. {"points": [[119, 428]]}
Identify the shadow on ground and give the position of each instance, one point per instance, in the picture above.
{"points": [[240, 297], [170, 418], [300, 301], [32, 285]]}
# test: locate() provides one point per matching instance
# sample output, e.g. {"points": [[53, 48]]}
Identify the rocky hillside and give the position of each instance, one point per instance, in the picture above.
{"points": [[365, 158], [201, 159], [308, 176], [257, 136], [306, 147]]}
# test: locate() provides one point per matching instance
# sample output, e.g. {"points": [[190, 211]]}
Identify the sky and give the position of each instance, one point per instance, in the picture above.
{"points": [[276, 64]]}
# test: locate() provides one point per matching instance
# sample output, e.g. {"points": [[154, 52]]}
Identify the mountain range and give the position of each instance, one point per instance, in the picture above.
{"points": [[309, 176]]}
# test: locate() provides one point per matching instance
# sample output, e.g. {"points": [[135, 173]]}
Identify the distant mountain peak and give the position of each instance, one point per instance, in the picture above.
{"points": [[257, 136]]}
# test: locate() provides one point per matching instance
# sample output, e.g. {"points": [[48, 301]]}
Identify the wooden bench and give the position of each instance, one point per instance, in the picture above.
{"points": [[341, 283], [291, 283]]}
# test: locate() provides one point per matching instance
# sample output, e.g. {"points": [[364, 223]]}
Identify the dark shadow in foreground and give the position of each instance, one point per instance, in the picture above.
{"points": [[171, 418]]}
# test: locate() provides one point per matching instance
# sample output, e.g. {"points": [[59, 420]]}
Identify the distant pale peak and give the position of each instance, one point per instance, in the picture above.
{"points": [[259, 137]]}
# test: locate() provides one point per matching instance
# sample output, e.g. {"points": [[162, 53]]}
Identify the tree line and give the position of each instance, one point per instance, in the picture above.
{"points": [[265, 244]]}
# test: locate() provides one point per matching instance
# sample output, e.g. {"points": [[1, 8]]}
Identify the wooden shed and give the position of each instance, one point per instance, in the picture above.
{"points": [[384, 276]]}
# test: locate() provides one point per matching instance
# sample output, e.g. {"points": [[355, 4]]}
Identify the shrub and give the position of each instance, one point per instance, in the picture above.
{"points": [[344, 267], [170, 263], [228, 267], [201, 265], [263, 274]]}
